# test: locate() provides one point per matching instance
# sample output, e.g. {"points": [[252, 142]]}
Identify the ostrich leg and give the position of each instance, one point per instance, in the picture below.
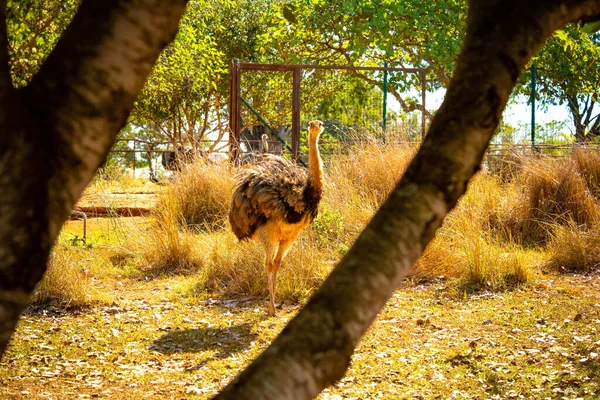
{"points": [[282, 250]]}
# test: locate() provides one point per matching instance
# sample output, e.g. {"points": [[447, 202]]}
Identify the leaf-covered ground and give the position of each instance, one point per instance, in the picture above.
{"points": [[537, 343]]}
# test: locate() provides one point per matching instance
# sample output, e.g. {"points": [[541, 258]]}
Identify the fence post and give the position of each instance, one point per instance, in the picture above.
{"points": [[234, 109], [533, 90], [385, 91], [296, 113], [423, 95]]}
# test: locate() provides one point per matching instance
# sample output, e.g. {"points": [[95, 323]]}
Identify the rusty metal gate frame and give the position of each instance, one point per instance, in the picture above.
{"points": [[236, 68]]}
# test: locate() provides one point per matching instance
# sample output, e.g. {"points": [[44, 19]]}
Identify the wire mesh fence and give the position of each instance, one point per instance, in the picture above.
{"points": [[355, 104]]}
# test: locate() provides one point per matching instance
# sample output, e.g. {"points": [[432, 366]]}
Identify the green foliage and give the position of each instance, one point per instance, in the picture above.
{"points": [[329, 226], [33, 29], [567, 66], [373, 31], [505, 134], [568, 73], [175, 99]]}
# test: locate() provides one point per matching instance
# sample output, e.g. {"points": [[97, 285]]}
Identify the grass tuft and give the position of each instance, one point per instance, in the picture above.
{"points": [[553, 192], [237, 268], [574, 249], [200, 194], [67, 282]]}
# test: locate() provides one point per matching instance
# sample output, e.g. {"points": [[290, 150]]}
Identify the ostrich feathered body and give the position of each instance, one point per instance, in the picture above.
{"points": [[274, 192]]}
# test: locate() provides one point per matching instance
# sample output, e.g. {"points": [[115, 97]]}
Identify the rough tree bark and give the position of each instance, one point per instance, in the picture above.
{"points": [[314, 350], [57, 131]]}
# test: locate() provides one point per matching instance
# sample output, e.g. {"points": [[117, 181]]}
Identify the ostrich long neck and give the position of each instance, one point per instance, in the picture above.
{"points": [[315, 165]]}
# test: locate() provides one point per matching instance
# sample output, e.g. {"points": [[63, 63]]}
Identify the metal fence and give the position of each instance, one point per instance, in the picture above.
{"points": [[279, 99]]}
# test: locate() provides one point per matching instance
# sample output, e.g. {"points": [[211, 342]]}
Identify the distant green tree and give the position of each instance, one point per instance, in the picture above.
{"points": [[410, 33], [176, 100], [505, 134], [569, 73], [185, 97]]}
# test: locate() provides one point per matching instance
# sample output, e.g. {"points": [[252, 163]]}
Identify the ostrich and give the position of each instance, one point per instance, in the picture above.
{"points": [[265, 142], [257, 156], [275, 200]]}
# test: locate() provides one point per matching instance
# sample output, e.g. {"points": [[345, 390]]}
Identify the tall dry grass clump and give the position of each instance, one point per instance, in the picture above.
{"points": [[588, 164], [557, 210], [356, 185], [554, 192], [165, 247], [506, 166], [574, 249], [465, 249], [201, 194], [371, 169], [197, 200], [66, 281], [237, 268]]}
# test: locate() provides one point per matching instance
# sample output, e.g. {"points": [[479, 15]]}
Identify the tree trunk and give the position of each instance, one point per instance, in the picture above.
{"points": [[149, 147], [314, 350], [578, 124], [55, 132]]}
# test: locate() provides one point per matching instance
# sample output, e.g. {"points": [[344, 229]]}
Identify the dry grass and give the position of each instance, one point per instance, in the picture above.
{"points": [[370, 172], [201, 194], [67, 281], [164, 247], [588, 163], [505, 166], [154, 343], [494, 239], [465, 248], [234, 268], [553, 192], [356, 184], [574, 249]]}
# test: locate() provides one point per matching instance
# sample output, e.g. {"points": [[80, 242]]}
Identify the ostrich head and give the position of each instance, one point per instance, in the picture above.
{"points": [[315, 128]]}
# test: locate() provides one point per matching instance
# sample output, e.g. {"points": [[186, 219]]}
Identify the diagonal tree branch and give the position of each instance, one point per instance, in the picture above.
{"points": [[86, 88], [57, 131], [314, 350]]}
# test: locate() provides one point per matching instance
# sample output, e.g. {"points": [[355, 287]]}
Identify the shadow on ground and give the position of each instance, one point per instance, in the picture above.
{"points": [[225, 341]]}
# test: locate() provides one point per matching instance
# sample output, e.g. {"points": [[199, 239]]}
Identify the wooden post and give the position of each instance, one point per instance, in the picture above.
{"points": [[423, 116], [234, 110], [296, 113]]}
